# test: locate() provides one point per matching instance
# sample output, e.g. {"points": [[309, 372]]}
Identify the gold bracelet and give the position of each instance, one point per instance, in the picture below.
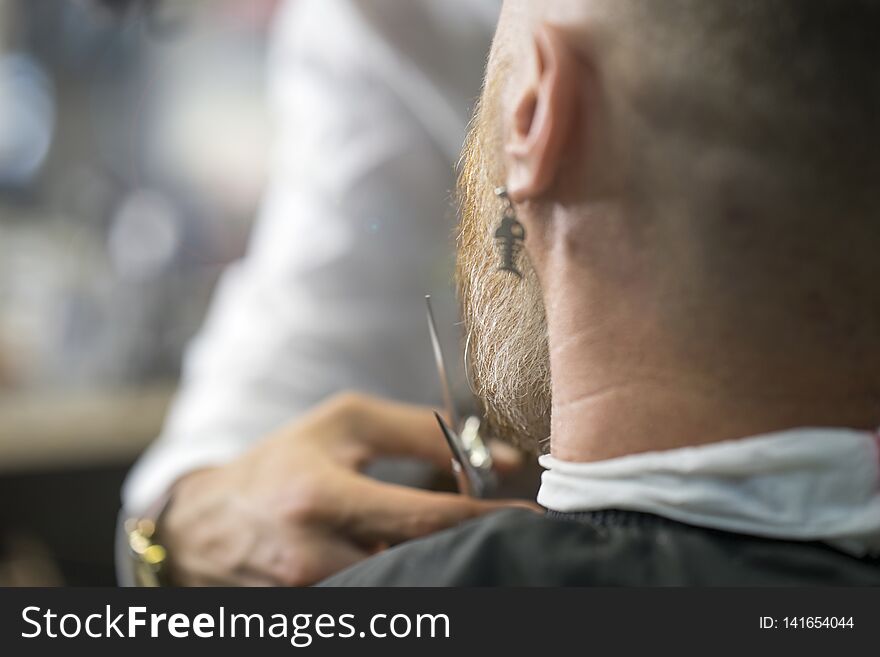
{"points": [[149, 557]]}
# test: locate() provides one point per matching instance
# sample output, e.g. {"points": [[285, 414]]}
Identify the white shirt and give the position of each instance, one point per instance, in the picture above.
{"points": [[803, 484], [372, 99]]}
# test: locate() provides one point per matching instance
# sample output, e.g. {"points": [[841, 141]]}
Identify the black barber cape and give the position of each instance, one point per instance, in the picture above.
{"points": [[604, 548]]}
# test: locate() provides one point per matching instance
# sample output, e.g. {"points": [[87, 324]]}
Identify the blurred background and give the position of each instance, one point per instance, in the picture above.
{"points": [[133, 141]]}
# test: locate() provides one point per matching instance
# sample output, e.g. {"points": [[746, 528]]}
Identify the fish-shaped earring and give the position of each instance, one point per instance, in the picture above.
{"points": [[509, 235]]}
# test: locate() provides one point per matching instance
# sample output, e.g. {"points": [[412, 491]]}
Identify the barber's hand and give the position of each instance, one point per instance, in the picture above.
{"points": [[296, 509]]}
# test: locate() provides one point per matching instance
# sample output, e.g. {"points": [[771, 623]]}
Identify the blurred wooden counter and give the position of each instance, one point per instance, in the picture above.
{"points": [[43, 432]]}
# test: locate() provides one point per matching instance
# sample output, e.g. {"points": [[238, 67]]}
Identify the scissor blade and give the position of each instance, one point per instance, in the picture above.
{"points": [[459, 459], [441, 365]]}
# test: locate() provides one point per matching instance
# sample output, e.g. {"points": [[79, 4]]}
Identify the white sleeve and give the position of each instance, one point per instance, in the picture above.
{"points": [[355, 228]]}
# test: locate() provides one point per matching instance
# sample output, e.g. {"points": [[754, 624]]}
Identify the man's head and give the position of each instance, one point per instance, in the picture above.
{"points": [[698, 185]]}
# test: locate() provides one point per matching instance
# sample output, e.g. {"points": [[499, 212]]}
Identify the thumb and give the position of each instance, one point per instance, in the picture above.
{"points": [[506, 459]]}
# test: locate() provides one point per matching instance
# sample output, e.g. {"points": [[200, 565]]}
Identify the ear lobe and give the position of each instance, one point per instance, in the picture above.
{"points": [[542, 118]]}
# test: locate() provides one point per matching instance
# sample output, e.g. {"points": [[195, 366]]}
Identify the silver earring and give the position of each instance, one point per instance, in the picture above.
{"points": [[509, 235]]}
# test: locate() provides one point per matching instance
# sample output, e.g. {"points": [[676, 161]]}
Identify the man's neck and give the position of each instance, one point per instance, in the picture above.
{"points": [[619, 389]]}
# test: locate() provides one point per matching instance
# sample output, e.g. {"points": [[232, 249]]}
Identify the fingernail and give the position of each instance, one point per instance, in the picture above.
{"points": [[505, 453]]}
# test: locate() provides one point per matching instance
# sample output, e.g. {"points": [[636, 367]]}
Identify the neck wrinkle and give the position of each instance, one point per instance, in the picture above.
{"points": [[617, 389]]}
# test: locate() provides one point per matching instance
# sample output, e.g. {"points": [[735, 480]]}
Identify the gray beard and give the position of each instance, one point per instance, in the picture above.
{"points": [[505, 335]]}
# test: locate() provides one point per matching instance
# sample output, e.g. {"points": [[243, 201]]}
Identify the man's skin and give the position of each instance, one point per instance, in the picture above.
{"points": [[642, 357]]}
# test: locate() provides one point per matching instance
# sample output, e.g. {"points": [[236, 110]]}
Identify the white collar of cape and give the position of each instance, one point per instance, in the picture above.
{"points": [[803, 484]]}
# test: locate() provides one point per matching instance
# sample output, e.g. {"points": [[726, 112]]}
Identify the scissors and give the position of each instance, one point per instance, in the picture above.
{"points": [[471, 459]]}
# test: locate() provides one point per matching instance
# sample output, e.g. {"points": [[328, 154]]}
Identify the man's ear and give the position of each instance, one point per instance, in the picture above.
{"points": [[541, 120]]}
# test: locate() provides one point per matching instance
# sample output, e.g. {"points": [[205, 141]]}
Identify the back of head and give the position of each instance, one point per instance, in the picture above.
{"points": [[749, 132]]}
